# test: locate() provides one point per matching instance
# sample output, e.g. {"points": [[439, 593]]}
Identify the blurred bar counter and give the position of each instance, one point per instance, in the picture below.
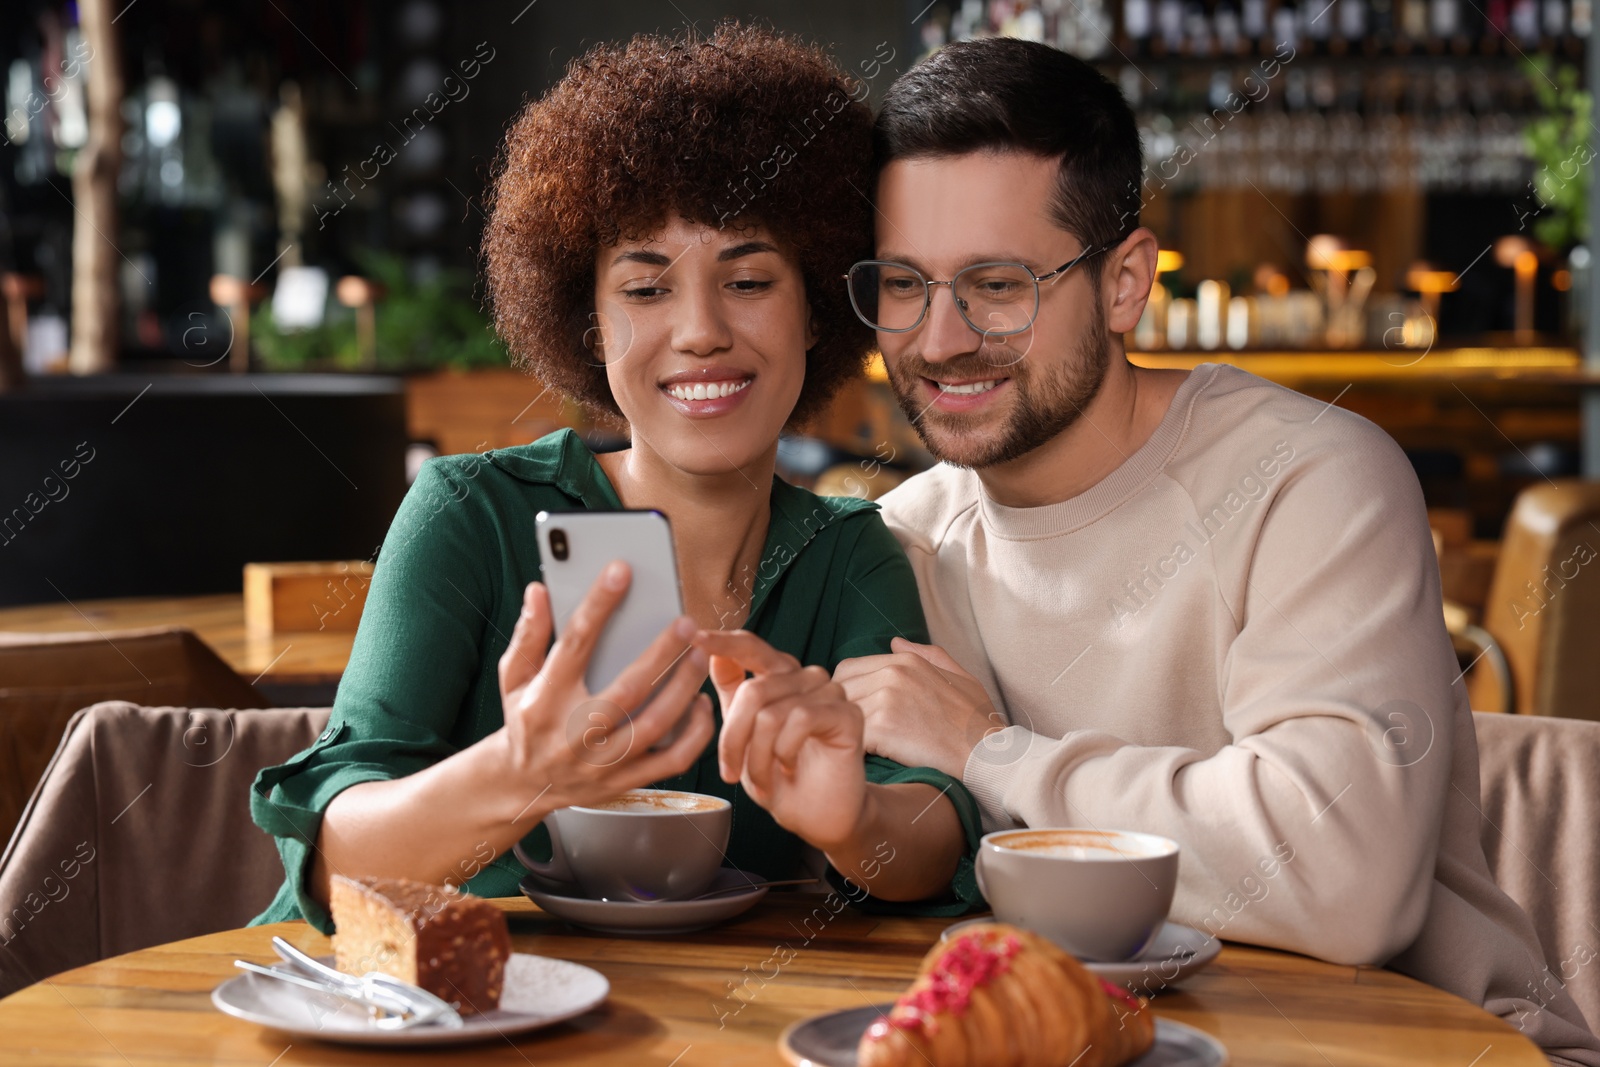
{"points": [[1304, 371], [1478, 423]]}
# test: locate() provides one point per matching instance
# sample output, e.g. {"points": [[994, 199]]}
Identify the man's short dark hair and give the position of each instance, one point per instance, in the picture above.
{"points": [[1002, 94]]}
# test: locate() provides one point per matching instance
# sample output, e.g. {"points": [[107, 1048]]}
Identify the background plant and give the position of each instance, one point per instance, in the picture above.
{"points": [[1557, 142], [421, 324]]}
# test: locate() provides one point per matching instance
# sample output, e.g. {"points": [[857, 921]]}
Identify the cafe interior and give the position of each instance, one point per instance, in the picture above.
{"points": [[234, 331]]}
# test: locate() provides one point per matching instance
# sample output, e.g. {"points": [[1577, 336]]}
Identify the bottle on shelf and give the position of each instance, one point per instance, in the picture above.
{"points": [[1137, 25], [1413, 30], [1253, 22], [1525, 23], [1350, 26], [1285, 36], [1169, 27], [1228, 29], [1196, 29], [1316, 24], [1552, 24]]}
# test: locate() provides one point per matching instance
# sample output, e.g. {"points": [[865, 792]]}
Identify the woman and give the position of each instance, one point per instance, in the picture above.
{"points": [[669, 225]]}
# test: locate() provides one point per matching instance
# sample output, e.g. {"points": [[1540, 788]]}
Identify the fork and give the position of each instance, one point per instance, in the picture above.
{"points": [[416, 1000], [406, 1004], [400, 1014]]}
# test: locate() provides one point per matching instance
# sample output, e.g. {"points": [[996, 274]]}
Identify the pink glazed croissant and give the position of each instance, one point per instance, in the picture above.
{"points": [[1000, 996]]}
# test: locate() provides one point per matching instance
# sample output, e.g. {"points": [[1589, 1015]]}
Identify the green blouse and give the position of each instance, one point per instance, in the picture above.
{"points": [[423, 683]]}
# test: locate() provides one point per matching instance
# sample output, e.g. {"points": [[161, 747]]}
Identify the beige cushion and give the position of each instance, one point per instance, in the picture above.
{"points": [[140, 833], [1541, 797]]}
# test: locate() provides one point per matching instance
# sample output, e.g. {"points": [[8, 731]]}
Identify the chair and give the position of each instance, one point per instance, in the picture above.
{"points": [[867, 480], [140, 834], [45, 678], [1544, 601], [1540, 787]]}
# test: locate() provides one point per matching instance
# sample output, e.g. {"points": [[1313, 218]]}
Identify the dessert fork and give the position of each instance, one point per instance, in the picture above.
{"points": [[417, 1001]]}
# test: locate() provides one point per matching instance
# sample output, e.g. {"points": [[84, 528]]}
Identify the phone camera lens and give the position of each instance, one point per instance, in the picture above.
{"points": [[558, 544]]}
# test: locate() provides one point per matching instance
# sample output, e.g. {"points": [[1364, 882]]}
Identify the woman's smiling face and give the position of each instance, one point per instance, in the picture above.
{"points": [[704, 333]]}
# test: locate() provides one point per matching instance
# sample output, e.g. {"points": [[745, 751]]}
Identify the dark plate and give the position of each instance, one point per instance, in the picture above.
{"points": [[830, 1041]]}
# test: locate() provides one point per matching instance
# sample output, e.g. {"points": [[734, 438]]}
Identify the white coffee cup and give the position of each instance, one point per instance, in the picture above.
{"points": [[647, 844], [1100, 894]]}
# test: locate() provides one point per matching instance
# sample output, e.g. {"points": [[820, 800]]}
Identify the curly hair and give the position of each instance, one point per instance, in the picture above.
{"points": [[745, 127]]}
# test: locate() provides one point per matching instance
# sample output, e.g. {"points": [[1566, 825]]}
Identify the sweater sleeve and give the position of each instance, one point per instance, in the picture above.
{"points": [[879, 603], [1316, 829], [415, 654]]}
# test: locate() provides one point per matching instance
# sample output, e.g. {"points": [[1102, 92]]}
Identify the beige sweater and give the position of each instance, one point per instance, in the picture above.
{"points": [[1235, 640]]}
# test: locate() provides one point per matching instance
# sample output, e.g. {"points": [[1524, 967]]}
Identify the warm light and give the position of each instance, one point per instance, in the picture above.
{"points": [[1321, 249], [1349, 259], [354, 291], [1561, 280], [1508, 250], [1425, 279], [875, 368], [1526, 264], [1168, 260], [1270, 280]]}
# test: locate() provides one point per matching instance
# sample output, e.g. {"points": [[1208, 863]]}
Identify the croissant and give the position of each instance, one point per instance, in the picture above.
{"points": [[1001, 996]]}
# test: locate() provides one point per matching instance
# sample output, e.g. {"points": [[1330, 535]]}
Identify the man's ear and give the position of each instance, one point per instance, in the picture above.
{"points": [[813, 335], [1130, 271]]}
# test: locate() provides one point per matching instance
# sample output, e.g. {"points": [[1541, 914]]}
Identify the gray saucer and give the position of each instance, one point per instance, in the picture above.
{"points": [[1176, 952], [649, 917], [830, 1041]]}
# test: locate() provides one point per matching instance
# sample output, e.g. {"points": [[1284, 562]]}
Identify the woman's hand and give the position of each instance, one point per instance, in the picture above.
{"points": [[567, 746], [790, 737], [560, 745]]}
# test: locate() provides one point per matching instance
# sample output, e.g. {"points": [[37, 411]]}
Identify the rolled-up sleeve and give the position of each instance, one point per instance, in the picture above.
{"points": [[416, 654]]}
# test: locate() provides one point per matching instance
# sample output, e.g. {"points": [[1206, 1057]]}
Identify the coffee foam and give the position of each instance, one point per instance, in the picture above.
{"points": [[1080, 845], [662, 803]]}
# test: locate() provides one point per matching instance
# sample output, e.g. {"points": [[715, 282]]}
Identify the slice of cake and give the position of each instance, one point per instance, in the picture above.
{"points": [[451, 944]]}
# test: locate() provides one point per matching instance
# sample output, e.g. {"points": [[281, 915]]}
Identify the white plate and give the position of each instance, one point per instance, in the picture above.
{"points": [[1176, 952], [633, 917], [538, 992], [830, 1041]]}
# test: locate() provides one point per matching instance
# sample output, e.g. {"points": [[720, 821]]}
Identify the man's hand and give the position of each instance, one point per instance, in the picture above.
{"points": [[921, 708], [790, 737]]}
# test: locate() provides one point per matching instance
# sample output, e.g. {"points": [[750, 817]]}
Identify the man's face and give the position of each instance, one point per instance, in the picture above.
{"points": [[977, 400]]}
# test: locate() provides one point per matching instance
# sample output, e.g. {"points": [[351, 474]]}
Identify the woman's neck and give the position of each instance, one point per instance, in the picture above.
{"points": [[719, 525]]}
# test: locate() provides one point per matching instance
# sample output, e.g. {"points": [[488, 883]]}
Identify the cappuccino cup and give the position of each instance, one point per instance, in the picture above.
{"points": [[1100, 894], [647, 844]]}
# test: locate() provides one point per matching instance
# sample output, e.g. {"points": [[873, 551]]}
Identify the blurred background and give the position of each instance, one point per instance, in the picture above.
{"points": [[239, 251]]}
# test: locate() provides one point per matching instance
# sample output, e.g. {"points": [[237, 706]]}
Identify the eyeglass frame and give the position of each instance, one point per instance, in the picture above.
{"points": [[928, 284]]}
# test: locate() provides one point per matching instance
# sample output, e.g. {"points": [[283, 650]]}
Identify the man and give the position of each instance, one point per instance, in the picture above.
{"points": [[1189, 603]]}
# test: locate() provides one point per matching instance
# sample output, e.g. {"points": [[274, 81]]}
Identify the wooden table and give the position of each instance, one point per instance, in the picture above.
{"points": [[668, 996], [310, 658]]}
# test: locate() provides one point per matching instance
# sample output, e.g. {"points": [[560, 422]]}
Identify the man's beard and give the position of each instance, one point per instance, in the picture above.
{"points": [[1045, 404]]}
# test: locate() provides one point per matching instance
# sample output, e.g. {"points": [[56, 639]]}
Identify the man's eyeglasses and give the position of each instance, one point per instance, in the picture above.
{"points": [[997, 299]]}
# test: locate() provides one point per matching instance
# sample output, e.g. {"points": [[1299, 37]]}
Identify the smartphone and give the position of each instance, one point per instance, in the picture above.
{"points": [[575, 546]]}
